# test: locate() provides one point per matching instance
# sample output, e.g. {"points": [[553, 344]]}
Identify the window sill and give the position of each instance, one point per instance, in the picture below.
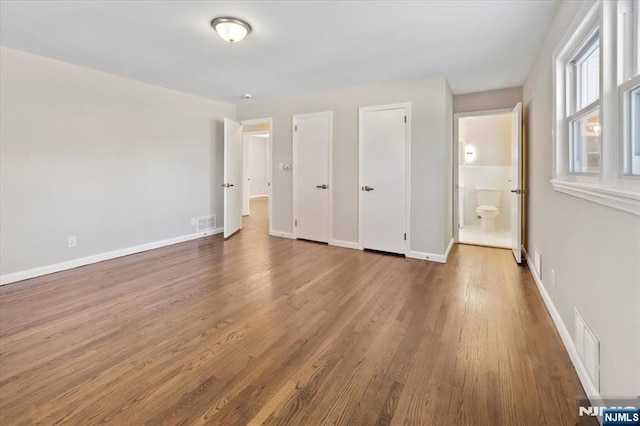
{"points": [[617, 199]]}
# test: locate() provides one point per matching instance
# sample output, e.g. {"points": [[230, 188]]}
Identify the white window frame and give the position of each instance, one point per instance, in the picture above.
{"points": [[611, 186], [628, 133], [573, 95], [628, 33]]}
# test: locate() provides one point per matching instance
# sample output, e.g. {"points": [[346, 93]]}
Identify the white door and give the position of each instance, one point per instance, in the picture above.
{"points": [[383, 178], [232, 177], [245, 175], [516, 182], [311, 150]]}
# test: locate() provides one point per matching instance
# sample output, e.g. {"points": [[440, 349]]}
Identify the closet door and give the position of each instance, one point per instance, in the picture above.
{"points": [[384, 151], [311, 191]]}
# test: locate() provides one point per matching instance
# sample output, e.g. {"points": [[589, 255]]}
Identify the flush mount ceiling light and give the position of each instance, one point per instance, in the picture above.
{"points": [[231, 29]]}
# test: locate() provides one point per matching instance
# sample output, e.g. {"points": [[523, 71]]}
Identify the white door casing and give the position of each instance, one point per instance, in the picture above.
{"points": [[312, 134], [246, 210], [384, 141], [233, 163], [258, 167], [516, 182], [247, 140], [268, 121]]}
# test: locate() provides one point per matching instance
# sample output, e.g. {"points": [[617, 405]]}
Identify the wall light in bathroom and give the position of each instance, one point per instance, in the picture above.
{"points": [[469, 153], [593, 130]]}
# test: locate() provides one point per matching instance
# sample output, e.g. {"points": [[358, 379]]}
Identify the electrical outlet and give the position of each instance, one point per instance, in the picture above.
{"points": [[553, 278], [72, 242], [193, 221]]}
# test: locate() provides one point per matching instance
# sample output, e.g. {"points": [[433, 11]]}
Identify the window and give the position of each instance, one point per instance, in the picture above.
{"points": [[629, 83], [597, 106], [631, 128], [587, 66], [583, 102], [585, 143]]}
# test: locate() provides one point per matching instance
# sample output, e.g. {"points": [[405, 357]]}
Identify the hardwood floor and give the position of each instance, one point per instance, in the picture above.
{"points": [[259, 329]]}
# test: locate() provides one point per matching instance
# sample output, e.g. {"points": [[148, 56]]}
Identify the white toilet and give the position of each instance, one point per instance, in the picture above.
{"points": [[488, 200]]}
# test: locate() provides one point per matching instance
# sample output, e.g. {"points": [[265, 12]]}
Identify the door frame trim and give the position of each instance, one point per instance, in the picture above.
{"points": [[361, 110], [270, 155], [456, 159], [245, 172], [294, 165]]}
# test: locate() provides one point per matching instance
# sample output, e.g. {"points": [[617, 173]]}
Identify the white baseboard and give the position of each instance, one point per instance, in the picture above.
{"points": [[592, 393], [282, 234], [440, 258], [345, 244], [432, 257], [446, 253], [75, 263]]}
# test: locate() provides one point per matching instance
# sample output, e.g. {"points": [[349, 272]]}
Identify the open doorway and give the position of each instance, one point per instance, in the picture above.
{"points": [[256, 171], [484, 168]]}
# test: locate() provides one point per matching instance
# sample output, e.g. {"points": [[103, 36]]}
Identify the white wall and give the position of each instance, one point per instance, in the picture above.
{"points": [[258, 148], [490, 135], [491, 99], [115, 162], [120, 163], [594, 250], [431, 153]]}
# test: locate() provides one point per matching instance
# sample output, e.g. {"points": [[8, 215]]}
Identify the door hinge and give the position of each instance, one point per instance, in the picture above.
{"points": [[296, 222], [405, 118], [295, 128], [405, 236]]}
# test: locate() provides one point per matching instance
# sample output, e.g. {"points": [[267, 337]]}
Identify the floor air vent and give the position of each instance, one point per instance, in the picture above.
{"points": [[588, 347], [205, 223]]}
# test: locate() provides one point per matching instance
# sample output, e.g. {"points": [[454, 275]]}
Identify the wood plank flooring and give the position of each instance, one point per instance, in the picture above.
{"points": [[264, 330]]}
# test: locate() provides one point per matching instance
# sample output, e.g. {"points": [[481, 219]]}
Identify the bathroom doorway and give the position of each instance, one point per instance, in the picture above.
{"points": [[483, 173]]}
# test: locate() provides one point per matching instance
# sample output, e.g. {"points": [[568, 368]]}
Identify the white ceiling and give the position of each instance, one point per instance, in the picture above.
{"points": [[296, 46]]}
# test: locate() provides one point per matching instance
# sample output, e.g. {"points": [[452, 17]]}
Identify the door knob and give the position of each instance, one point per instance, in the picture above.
{"points": [[227, 185], [367, 188], [323, 186], [517, 191]]}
